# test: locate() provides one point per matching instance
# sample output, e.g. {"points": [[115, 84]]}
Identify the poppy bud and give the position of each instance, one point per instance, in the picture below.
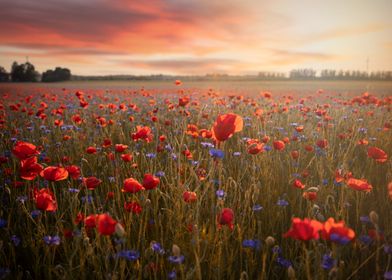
{"points": [[291, 273], [119, 230], [270, 241], [176, 250], [373, 217]]}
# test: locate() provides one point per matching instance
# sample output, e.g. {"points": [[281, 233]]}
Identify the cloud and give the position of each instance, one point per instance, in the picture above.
{"points": [[208, 35], [285, 57], [189, 66]]}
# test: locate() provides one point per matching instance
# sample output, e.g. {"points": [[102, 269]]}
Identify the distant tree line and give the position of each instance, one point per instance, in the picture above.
{"points": [[26, 72], [328, 74], [56, 75]]}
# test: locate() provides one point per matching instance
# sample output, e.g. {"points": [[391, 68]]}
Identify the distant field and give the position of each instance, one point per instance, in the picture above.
{"points": [[243, 87]]}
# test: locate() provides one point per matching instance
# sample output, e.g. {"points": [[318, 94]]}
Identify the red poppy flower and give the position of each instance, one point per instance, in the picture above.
{"points": [[177, 82], [106, 224], [298, 184], [106, 143], [304, 230], [359, 185], [226, 125], [54, 173], [295, 154], [91, 221], [226, 217], [91, 150], [44, 200], [337, 231], [310, 195], [58, 122], [322, 143], [309, 148], [183, 101], [126, 157], [377, 154], [91, 182], [279, 145], [23, 150], [120, 148], [189, 197], [77, 119], [150, 181], [187, 154], [255, 148], [133, 207], [131, 185], [79, 218], [30, 168], [142, 133], [73, 171]]}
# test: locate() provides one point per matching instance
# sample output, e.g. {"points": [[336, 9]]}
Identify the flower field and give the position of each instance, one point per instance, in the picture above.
{"points": [[194, 183]]}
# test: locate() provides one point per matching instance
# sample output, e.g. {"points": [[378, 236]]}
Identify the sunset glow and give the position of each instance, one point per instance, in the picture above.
{"points": [[196, 36]]}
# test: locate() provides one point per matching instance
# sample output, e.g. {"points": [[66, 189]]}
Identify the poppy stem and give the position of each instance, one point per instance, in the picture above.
{"points": [[307, 262]]}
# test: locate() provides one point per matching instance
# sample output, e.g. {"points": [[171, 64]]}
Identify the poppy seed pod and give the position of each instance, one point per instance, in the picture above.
{"points": [[373, 217], [176, 250]]}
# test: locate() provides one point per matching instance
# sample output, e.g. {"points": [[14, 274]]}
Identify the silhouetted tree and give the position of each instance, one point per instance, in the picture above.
{"points": [[4, 76], [24, 72], [56, 75], [303, 74]]}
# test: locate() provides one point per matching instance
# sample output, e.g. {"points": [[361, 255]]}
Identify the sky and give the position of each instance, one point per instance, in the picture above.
{"points": [[196, 37]]}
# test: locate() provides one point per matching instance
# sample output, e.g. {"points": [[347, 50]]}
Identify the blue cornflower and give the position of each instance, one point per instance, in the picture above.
{"points": [[52, 240], [365, 239], [160, 174], [257, 207], [388, 275], [216, 153], [342, 240], [276, 250], [251, 243], [3, 223], [73, 190], [207, 145], [16, 240], [338, 184], [267, 148], [236, 154], [35, 213], [283, 262], [220, 194], [130, 255], [282, 202], [328, 262], [176, 259], [151, 155], [364, 219], [388, 249], [89, 199], [172, 275], [169, 148], [157, 248]]}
